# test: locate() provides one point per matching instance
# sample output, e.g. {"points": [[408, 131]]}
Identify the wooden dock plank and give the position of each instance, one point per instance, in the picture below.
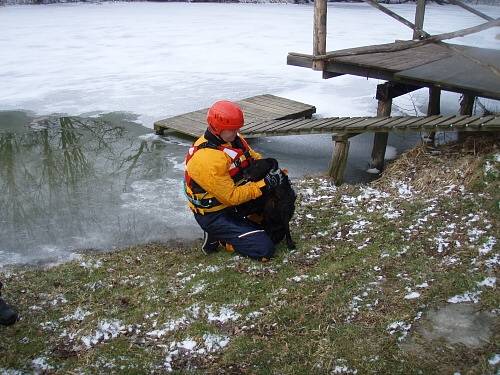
{"points": [[276, 102], [389, 124], [365, 123]]}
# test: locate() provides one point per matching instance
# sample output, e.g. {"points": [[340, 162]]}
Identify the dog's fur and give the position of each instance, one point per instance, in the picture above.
{"points": [[277, 205]]}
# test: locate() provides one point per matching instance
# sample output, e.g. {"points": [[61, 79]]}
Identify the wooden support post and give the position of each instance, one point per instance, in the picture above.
{"points": [[339, 158], [390, 90], [380, 139], [466, 107], [467, 104], [433, 108], [419, 20], [319, 36]]}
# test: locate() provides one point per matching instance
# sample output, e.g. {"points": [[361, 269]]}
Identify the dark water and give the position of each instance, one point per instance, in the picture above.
{"points": [[73, 183]]}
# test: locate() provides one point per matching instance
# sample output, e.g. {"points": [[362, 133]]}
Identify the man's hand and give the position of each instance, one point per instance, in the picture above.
{"points": [[273, 178]]}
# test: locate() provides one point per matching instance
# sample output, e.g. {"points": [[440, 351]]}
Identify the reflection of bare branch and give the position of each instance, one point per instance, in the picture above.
{"points": [[101, 132], [76, 165], [134, 158], [15, 207]]}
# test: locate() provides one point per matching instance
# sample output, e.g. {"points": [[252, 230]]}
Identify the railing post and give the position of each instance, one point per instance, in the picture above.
{"points": [[319, 35], [419, 20]]}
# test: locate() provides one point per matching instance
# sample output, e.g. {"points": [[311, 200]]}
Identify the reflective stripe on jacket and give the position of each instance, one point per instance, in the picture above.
{"points": [[213, 178]]}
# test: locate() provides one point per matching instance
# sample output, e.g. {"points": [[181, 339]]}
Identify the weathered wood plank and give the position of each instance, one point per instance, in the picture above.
{"points": [[297, 125], [266, 125], [403, 125], [431, 123], [272, 105], [364, 123], [454, 72], [478, 123], [287, 103], [400, 60], [455, 120], [339, 125]]}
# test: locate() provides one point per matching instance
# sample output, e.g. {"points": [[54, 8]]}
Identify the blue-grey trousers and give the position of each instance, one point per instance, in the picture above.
{"points": [[248, 238]]}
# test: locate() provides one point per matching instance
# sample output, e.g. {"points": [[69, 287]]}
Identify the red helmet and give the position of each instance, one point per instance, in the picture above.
{"points": [[224, 115]]}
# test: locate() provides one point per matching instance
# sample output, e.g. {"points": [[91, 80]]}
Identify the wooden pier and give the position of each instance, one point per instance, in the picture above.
{"points": [[408, 65], [256, 109], [269, 115]]}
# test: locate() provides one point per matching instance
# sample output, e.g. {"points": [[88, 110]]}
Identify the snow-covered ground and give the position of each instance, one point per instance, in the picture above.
{"points": [[163, 59]]}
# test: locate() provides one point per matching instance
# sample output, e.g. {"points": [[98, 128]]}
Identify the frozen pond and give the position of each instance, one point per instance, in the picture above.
{"points": [[82, 85]]}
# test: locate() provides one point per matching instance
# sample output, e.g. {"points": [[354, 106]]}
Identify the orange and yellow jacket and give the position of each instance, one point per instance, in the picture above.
{"points": [[213, 174]]}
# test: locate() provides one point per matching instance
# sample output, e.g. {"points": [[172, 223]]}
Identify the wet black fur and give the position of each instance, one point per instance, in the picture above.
{"points": [[277, 205]]}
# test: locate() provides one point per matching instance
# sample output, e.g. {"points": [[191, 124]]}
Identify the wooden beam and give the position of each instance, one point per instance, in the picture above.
{"points": [[327, 74], [400, 45], [419, 20], [319, 37], [396, 16], [472, 10], [466, 108], [338, 163], [434, 106], [390, 90], [463, 32], [467, 104], [433, 109], [380, 139]]}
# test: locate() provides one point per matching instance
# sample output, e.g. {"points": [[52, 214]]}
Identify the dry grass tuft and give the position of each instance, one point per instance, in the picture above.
{"points": [[451, 164]]}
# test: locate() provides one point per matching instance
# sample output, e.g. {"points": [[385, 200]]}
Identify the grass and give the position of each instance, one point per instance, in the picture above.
{"points": [[371, 261]]}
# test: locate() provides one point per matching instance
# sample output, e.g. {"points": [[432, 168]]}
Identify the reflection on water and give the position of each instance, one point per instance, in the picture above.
{"points": [[70, 183]]}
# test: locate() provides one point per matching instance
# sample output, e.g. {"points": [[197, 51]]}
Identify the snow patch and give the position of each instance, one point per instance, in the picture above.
{"points": [[487, 246], [78, 315], [489, 282], [399, 327], [495, 360], [466, 297], [225, 314], [412, 295], [171, 325], [106, 330], [41, 364]]}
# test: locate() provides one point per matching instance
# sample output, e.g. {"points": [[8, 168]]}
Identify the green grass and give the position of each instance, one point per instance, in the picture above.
{"points": [[326, 307]]}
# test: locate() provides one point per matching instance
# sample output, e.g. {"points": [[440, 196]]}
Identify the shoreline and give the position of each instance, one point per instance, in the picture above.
{"points": [[378, 264]]}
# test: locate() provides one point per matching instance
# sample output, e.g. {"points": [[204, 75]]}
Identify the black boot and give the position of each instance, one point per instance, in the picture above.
{"points": [[7, 314]]}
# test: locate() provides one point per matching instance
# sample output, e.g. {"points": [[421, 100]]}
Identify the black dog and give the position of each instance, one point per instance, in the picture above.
{"points": [[277, 206]]}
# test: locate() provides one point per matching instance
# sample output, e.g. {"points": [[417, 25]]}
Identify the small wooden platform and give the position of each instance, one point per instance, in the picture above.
{"points": [[256, 110], [448, 66]]}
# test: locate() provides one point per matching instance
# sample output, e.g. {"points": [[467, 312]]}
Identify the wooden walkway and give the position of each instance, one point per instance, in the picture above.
{"points": [[358, 125], [256, 110], [269, 115]]}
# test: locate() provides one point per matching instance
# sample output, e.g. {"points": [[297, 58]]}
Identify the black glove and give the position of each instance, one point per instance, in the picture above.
{"points": [[273, 178]]}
